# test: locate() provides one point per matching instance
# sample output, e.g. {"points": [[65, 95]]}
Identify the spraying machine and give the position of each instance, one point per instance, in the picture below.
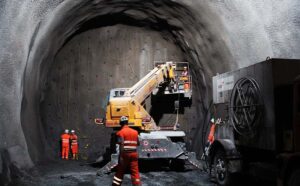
{"points": [[259, 107], [156, 142]]}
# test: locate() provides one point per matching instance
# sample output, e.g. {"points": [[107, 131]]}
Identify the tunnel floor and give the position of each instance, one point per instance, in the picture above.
{"points": [[74, 173], [61, 173]]}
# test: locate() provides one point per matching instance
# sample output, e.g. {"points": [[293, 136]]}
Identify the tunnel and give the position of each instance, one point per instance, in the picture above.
{"points": [[60, 79], [59, 60]]}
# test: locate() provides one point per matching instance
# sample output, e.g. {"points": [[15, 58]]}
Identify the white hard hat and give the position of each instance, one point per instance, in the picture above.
{"points": [[72, 131], [66, 131], [212, 120], [123, 118]]}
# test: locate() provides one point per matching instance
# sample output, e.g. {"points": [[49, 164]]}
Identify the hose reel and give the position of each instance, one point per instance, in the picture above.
{"points": [[246, 107]]}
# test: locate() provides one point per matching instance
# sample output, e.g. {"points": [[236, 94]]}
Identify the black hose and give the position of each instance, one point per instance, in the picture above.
{"points": [[206, 123]]}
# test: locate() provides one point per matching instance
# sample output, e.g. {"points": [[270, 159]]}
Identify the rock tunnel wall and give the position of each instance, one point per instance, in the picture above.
{"points": [[214, 36], [82, 73]]}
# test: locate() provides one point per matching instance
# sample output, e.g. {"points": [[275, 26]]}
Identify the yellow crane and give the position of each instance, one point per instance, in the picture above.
{"points": [[129, 101], [166, 78]]}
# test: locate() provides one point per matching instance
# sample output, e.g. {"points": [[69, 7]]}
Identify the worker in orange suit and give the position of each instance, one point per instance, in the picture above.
{"points": [[74, 145], [65, 143], [127, 142], [211, 135]]}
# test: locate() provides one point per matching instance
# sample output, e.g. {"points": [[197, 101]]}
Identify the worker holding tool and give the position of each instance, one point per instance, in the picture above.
{"points": [[211, 136], [127, 142], [65, 143], [74, 145]]}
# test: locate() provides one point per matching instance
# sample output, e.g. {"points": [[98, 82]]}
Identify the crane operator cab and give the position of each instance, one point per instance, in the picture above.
{"points": [[180, 80]]}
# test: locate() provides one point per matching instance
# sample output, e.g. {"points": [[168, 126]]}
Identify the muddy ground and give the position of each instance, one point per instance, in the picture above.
{"points": [[74, 173], [154, 173]]}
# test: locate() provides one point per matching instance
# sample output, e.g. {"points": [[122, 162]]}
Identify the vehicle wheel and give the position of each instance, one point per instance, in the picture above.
{"points": [[294, 179], [220, 165]]}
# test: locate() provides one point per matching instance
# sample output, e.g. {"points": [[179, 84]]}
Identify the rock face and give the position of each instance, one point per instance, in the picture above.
{"points": [[46, 48]]}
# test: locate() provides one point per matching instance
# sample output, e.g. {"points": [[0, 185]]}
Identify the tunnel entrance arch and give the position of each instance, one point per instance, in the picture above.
{"points": [[180, 27], [83, 72]]}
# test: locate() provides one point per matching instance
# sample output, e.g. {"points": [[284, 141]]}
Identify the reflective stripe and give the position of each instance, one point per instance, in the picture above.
{"points": [[118, 179], [65, 140], [129, 147], [136, 181], [130, 142], [117, 183]]}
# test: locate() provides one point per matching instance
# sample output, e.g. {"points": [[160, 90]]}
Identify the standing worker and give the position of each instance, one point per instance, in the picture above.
{"points": [[127, 140], [171, 76], [184, 72], [65, 143], [184, 77], [211, 136], [171, 72], [74, 145]]}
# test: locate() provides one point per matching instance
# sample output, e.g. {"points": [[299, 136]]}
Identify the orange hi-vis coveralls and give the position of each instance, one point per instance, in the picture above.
{"points": [[65, 142], [211, 135], [128, 141], [74, 145]]}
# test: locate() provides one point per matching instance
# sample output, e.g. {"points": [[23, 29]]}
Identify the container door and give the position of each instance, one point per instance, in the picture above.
{"points": [[297, 115]]}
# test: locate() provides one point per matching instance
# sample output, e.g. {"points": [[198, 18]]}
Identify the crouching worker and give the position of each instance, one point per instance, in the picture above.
{"points": [[127, 139], [74, 145], [65, 144]]}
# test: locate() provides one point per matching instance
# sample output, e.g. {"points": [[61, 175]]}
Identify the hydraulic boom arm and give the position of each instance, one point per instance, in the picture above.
{"points": [[129, 101]]}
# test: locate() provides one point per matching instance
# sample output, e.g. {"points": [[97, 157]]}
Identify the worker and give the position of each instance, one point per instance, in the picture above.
{"points": [[127, 142], [74, 145], [210, 139], [184, 76], [171, 72], [211, 135], [65, 143], [184, 72]]}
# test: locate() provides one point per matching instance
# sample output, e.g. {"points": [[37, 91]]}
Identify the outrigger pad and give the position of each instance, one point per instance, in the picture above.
{"points": [[107, 169], [194, 161]]}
